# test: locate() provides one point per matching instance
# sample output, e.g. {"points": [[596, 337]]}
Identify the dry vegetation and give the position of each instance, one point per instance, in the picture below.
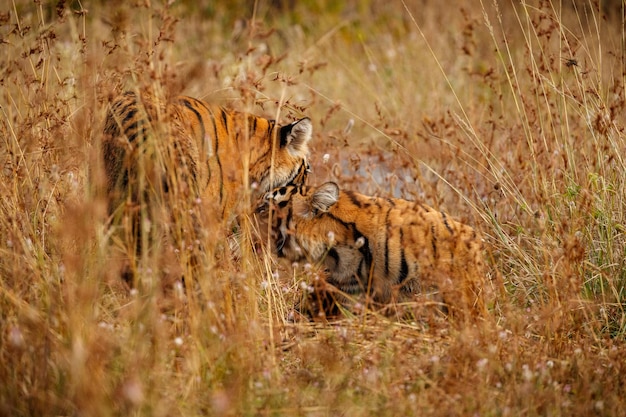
{"points": [[509, 116]]}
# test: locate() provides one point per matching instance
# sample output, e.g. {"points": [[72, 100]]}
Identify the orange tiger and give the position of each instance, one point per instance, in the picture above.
{"points": [[194, 151], [387, 248]]}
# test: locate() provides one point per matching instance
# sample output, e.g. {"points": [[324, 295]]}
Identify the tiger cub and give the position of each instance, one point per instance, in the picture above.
{"points": [[390, 249]]}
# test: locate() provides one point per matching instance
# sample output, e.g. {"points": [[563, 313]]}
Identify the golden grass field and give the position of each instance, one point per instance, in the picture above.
{"points": [[509, 116]]}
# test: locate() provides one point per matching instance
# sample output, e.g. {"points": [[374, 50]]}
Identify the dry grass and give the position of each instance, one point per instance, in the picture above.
{"points": [[509, 116]]}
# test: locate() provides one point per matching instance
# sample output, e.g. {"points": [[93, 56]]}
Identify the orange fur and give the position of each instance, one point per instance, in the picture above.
{"points": [[215, 151]]}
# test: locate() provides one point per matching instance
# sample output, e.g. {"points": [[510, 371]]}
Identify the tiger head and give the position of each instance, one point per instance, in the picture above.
{"points": [[288, 158], [302, 226]]}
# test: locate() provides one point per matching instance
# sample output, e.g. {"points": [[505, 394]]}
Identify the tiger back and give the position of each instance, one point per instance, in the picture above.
{"points": [[390, 249]]}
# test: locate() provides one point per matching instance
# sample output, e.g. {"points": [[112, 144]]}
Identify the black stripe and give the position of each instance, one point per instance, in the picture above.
{"points": [[387, 242], [334, 255], [298, 179], [217, 156], [445, 222], [283, 132], [353, 198], [224, 118], [253, 129], [434, 241], [128, 115], [363, 269], [188, 104], [122, 107], [116, 118], [199, 103], [425, 208], [286, 220], [404, 267], [133, 130], [130, 95], [252, 120], [126, 100]]}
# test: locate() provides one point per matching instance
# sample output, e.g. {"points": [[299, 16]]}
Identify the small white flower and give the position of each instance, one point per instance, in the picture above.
{"points": [[16, 339], [178, 341], [331, 237], [359, 242], [133, 391], [325, 158], [527, 374]]}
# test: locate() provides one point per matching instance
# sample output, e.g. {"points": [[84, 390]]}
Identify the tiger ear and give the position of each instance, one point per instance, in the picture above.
{"points": [[295, 137], [325, 197]]}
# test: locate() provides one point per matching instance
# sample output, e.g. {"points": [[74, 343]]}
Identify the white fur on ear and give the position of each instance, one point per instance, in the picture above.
{"points": [[325, 196], [299, 137]]}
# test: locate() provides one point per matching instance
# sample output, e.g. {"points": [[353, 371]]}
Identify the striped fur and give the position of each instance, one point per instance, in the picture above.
{"points": [[214, 151], [387, 248]]}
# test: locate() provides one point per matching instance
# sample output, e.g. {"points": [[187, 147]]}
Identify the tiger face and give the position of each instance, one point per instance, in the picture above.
{"points": [[214, 151], [389, 249]]}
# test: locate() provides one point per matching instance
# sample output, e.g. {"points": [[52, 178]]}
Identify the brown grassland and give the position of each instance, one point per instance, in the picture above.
{"points": [[508, 115]]}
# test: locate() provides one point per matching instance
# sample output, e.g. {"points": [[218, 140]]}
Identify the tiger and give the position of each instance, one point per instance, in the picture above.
{"points": [[389, 249], [189, 149]]}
